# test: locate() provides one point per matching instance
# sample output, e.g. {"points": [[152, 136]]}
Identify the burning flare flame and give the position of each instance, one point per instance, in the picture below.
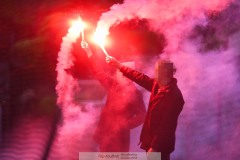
{"points": [[77, 27], [99, 38]]}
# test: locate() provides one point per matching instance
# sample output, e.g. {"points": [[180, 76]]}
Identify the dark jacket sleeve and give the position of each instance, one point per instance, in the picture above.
{"points": [[100, 75], [140, 78]]}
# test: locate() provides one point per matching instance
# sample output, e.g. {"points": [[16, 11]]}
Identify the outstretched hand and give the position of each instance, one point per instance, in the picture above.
{"points": [[84, 44], [86, 48], [113, 62]]}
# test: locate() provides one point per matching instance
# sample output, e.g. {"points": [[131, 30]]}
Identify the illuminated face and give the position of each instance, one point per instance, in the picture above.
{"points": [[163, 71]]}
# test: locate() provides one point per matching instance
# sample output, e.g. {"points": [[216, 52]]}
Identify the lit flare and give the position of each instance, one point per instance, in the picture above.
{"points": [[100, 39], [77, 27]]}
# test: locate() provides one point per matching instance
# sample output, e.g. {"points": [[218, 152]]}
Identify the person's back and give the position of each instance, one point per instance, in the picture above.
{"points": [[124, 110]]}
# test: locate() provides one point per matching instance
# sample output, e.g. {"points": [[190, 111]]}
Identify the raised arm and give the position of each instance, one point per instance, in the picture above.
{"points": [[102, 77], [86, 48], [140, 78]]}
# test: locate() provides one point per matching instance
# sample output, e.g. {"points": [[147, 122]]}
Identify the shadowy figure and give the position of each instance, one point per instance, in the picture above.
{"points": [[123, 111], [165, 104]]}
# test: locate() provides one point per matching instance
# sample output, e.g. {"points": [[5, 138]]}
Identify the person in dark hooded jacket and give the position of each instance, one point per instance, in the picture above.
{"points": [[165, 104]]}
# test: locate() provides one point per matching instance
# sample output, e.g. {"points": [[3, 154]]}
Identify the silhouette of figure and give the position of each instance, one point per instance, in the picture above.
{"points": [[165, 104], [123, 111]]}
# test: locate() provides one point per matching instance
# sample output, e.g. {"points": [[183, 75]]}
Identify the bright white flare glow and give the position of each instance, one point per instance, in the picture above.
{"points": [[77, 27], [99, 38]]}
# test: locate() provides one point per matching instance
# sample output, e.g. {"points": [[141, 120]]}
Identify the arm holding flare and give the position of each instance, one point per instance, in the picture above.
{"points": [[99, 74], [112, 61], [86, 48], [140, 78]]}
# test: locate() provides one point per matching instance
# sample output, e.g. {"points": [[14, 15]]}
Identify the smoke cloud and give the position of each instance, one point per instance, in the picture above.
{"points": [[209, 124], [77, 121], [173, 18]]}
